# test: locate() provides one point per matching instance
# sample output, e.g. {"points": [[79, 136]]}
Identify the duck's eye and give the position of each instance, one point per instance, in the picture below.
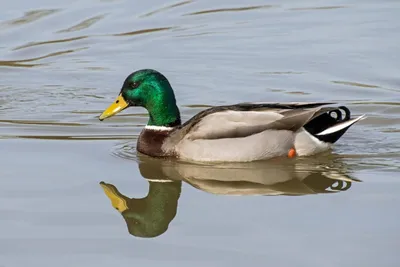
{"points": [[134, 85]]}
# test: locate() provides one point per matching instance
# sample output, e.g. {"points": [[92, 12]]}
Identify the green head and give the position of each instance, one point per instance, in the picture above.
{"points": [[149, 89]]}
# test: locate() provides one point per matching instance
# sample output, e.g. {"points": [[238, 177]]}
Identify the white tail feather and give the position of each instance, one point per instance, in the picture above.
{"points": [[341, 126]]}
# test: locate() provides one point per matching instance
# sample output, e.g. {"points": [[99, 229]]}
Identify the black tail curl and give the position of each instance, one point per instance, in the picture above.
{"points": [[327, 120]]}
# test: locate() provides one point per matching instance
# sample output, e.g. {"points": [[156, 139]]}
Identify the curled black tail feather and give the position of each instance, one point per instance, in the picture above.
{"points": [[325, 121]]}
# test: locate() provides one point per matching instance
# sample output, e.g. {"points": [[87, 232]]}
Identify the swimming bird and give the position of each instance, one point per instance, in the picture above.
{"points": [[240, 132]]}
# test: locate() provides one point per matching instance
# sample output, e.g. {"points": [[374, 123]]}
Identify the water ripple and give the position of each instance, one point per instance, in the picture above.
{"points": [[20, 62], [31, 16], [356, 84], [233, 9], [166, 8], [31, 44], [43, 122], [84, 24], [316, 8], [143, 31]]}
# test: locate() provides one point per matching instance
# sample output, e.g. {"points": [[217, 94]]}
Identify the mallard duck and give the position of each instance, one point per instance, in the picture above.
{"points": [[232, 133]]}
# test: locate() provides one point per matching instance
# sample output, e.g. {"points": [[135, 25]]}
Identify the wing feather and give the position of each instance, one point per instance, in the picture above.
{"points": [[247, 119], [232, 124]]}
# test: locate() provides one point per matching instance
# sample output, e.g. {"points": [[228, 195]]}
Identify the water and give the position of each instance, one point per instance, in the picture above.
{"points": [[62, 63]]}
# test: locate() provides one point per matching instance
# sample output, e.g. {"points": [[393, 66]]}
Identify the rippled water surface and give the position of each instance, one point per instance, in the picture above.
{"points": [[63, 171]]}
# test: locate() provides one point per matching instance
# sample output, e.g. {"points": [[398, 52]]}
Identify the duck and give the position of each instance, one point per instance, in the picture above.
{"points": [[242, 132]]}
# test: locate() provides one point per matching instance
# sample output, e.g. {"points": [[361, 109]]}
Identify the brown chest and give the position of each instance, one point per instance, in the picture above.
{"points": [[150, 142]]}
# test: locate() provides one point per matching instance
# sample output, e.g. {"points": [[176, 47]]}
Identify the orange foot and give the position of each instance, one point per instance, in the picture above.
{"points": [[292, 153]]}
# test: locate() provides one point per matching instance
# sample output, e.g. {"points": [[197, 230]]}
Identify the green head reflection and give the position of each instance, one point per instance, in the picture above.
{"points": [[149, 216]]}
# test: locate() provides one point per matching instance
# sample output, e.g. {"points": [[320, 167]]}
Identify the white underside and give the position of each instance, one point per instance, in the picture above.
{"points": [[264, 145], [306, 144]]}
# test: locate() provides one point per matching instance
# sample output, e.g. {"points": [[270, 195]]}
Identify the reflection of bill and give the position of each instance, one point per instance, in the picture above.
{"points": [[148, 216], [151, 216]]}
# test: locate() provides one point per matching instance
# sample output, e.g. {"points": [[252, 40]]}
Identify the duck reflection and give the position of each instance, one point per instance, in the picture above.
{"points": [[150, 216]]}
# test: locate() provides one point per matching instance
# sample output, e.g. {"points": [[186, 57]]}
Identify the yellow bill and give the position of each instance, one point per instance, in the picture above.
{"points": [[117, 106], [118, 202]]}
